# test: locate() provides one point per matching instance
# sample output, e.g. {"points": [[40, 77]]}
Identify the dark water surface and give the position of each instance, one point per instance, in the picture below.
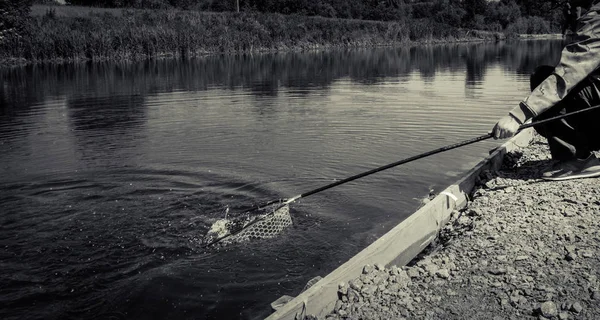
{"points": [[110, 173]]}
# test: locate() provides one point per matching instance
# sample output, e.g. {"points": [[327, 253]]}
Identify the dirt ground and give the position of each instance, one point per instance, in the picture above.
{"points": [[524, 248]]}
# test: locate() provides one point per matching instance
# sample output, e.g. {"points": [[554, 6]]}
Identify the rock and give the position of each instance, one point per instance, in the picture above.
{"points": [[356, 284], [595, 295], [395, 270], [570, 256], [443, 273], [548, 309], [413, 272], [343, 288], [497, 271], [368, 290], [353, 296], [521, 258], [342, 313], [366, 278], [576, 307], [379, 267], [338, 305], [367, 269], [563, 316], [431, 268], [568, 212]]}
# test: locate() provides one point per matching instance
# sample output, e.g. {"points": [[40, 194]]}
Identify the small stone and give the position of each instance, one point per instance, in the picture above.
{"points": [[367, 269], [497, 271], [568, 212], [522, 300], [431, 268], [570, 257], [368, 290], [548, 309], [571, 254], [356, 284], [443, 273], [413, 272], [521, 258], [343, 288], [353, 296], [576, 307], [563, 316], [338, 305], [366, 278], [395, 270]]}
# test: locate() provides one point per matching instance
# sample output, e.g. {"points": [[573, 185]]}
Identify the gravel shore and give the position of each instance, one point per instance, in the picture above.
{"points": [[524, 248]]}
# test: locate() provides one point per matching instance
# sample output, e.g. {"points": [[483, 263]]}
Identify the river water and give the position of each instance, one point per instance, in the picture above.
{"points": [[111, 173]]}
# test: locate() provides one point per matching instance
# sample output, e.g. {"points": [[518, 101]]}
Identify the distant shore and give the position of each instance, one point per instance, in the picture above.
{"points": [[67, 34], [546, 36]]}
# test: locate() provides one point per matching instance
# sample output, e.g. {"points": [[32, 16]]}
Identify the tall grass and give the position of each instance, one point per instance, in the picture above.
{"points": [[138, 34]]}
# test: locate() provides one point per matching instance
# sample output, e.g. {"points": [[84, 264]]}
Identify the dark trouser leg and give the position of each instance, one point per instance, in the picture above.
{"points": [[574, 136]]}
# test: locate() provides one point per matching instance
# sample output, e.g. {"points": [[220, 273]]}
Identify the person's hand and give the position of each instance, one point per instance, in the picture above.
{"points": [[506, 127]]}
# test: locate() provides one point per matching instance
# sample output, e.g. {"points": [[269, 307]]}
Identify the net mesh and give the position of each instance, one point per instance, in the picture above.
{"points": [[265, 226]]}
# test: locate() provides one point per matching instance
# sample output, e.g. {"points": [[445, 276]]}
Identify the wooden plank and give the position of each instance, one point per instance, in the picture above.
{"points": [[399, 245]]}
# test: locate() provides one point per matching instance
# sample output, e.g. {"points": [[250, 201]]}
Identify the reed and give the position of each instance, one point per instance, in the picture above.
{"points": [[142, 34]]}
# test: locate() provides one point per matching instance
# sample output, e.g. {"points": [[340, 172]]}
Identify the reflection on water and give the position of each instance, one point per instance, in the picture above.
{"points": [[111, 172]]}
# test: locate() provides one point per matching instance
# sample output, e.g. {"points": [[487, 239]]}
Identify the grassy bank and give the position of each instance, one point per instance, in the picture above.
{"points": [[74, 34]]}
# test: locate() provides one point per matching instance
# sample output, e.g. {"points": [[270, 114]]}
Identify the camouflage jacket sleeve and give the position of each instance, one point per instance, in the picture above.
{"points": [[578, 60]]}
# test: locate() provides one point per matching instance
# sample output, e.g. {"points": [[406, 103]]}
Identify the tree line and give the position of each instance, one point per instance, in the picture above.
{"points": [[533, 16]]}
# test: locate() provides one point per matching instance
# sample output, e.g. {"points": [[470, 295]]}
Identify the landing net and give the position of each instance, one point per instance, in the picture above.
{"points": [[263, 226]]}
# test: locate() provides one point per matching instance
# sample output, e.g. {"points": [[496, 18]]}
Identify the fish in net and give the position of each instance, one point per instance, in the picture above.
{"points": [[264, 226]]}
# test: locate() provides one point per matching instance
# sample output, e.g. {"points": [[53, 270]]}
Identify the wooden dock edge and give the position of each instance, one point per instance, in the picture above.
{"points": [[401, 244]]}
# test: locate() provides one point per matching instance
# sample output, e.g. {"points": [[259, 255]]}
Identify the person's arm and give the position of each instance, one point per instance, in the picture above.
{"points": [[578, 60]]}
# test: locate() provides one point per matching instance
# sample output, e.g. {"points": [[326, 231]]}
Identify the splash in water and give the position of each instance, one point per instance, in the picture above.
{"points": [[261, 227]]}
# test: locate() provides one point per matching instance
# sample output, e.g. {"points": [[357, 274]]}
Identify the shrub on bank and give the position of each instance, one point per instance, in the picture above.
{"points": [[529, 25], [136, 34]]}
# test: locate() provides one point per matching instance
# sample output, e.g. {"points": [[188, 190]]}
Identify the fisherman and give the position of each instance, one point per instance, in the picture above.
{"points": [[573, 84]]}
